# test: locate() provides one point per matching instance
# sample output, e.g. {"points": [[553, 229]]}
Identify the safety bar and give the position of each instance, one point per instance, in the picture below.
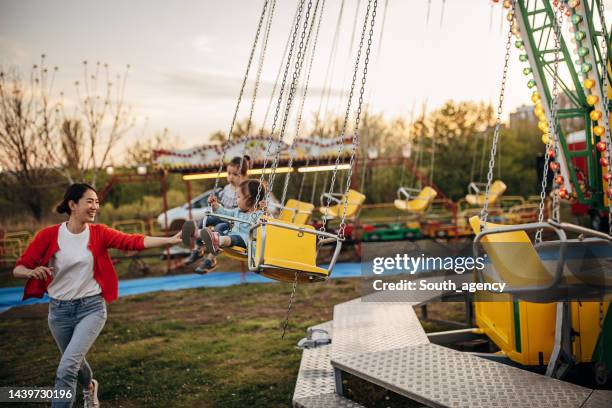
{"points": [[331, 197], [405, 191], [209, 212], [328, 238], [566, 226], [525, 227], [474, 187]]}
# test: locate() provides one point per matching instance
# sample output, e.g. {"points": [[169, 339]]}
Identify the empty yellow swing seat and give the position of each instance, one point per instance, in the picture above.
{"points": [[419, 204], [514, 257], [478, 198], [297, 212], [353, 200]]}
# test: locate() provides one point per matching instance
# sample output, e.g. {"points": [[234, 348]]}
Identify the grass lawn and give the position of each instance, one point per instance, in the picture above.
{"points": [[207, 347], [203, 347]]}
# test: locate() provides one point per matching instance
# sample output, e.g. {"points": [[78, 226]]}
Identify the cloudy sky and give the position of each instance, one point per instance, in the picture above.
{"points": [[188, 56]]}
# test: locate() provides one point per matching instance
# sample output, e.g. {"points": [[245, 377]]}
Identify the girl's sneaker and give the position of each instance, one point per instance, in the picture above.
{"points": [[208, 265], [90, 398], [211, 240], [188, 232]]}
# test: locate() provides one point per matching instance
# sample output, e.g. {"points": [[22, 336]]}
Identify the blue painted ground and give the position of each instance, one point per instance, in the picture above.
{"points": [[11, 297]]}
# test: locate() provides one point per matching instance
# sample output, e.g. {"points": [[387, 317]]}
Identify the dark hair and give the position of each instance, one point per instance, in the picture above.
{"points": [[74, 192], [242, 163], [249, 189]]}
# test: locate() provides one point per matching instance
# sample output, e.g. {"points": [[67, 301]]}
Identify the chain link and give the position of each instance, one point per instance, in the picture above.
{"points": [[484, 212], [244, 81], [301, 109], [552, 142], [270, 137], [299, 63], [355, 139], [293, 290]]}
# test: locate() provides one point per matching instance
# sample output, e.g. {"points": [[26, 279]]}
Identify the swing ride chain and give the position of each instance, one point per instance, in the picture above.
{"points": [[264, 47], [297, 69], [551, 142], [604, 95], [484, 212], [279, 101], [244, 81], [355, 144], [355, 139], [286, 321], [304, 94]]}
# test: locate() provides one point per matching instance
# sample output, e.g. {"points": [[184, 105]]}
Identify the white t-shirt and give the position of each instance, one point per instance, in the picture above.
{"points": [[73, 263]]}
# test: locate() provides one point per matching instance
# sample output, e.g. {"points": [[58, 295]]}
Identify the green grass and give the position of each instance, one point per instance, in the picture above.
{"points": [[207, 347], [204, 347]]}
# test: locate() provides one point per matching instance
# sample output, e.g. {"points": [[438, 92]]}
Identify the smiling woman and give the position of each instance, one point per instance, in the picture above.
{"points": [[70, 262]]}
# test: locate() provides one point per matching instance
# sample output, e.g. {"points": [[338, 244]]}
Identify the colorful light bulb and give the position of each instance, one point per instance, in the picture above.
{"points": [[592, 99], [599, 130], [531, 83], [588, 83], [595, 115], [601, 146]]}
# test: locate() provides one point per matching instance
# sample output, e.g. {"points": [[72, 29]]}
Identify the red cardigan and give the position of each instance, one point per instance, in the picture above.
{"points": [[44, 246]]}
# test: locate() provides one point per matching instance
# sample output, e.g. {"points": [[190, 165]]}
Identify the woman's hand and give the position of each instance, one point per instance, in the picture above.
{"points": [[212, 200], [175, 239], [41, 272]]}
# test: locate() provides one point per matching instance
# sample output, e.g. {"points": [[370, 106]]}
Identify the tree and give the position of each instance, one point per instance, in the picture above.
{"points": [[99, 120], [141, 151], [29, 118]]}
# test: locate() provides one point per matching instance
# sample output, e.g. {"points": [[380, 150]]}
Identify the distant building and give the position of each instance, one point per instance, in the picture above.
{"points": [[525, 113]]}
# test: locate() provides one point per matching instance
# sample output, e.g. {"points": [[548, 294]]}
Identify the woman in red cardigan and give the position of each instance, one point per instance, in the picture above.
{"points": [[70, 262]]}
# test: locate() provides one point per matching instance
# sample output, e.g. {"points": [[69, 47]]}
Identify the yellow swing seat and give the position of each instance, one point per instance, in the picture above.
{"points": [[478, 197], [297, 212], [352, 199], [415, 204], [517, 261], [283, 249]]}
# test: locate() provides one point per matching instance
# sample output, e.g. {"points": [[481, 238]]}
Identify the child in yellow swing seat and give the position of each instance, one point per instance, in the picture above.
{"points": [[247, 210]]}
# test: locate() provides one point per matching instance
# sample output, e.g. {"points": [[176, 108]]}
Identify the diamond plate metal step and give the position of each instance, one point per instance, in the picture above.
{"points": [[385, 344], [315, 386]]}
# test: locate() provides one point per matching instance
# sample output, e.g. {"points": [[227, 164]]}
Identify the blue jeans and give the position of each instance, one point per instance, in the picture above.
{"points": [[222, 227], [236, 240], [75, 325]]}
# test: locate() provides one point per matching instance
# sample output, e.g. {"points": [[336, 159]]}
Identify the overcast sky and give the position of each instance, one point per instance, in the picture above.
{"points": [[188, 56]]}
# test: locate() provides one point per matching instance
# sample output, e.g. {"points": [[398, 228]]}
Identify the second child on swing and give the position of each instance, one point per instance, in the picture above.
{"points": [[248, 210]]}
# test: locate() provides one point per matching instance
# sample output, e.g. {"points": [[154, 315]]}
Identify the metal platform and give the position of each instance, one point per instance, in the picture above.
{"points": [[315, 386], [385, 344]]}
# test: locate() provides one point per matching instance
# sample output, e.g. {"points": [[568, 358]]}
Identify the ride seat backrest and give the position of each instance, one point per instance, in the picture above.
{"points": [[354, 200], [425, 198], [497, 188], [301, 217], [514, 257]]}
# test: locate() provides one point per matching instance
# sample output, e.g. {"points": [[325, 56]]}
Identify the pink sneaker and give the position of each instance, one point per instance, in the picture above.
{"points": [[211, 240]]}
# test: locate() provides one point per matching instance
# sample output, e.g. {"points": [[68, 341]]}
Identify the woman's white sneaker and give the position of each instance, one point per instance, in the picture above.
{"points": [[90, 398]]}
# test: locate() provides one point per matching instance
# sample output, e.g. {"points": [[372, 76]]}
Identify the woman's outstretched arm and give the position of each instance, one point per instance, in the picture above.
{"points": [[152, 242]]}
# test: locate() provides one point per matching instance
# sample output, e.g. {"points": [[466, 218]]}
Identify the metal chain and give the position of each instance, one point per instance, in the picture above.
{"points": [[551, 143], [304, 95], [604, 94], [262, 56], [358, 118], [484, 212], [286, 321], [279, 100], [355, 140], [299, 63], [244, 81]]}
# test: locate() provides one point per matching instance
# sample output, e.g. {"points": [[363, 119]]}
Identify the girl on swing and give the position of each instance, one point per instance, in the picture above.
{"points": [[211, 239], [236, 173]]}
